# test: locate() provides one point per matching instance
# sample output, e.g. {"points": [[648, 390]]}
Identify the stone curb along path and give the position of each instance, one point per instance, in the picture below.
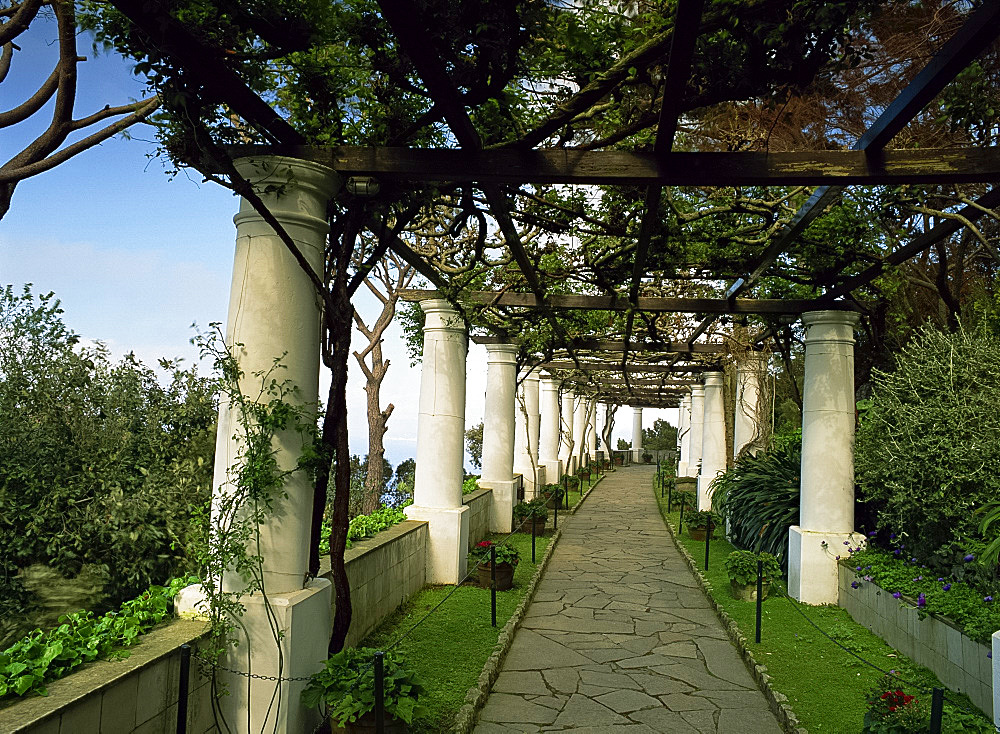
{"points": [[777, 701], [475, 699], [620, 636]]}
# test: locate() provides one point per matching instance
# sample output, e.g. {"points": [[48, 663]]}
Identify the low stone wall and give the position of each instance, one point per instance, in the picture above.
{"points": [[383, 571], [479, 503], [935, 642], [137, 694]]}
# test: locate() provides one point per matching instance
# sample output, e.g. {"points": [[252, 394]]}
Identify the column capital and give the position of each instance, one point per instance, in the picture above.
{"points": [[441, 316], [830, 325], [697, 389], [713, 379], [297, 191], [501, 353]]}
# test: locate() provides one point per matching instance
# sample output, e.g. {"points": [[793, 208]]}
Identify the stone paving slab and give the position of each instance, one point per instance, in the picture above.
{"points": [[619, 637]]}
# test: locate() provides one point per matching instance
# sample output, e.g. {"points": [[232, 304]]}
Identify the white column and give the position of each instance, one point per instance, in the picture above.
{"points": [[437, 487], [684, 435], [567, 441], [747, 426], [636, 434], [580, 403], [274, 315], [599, 427], [713, 443], [826, 509], [697, 421], [548, 439], [592, 429], [526, 435], [498, 434]]}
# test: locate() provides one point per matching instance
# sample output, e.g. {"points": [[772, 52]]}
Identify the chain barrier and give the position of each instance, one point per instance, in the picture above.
{"points": [[216, 666]]}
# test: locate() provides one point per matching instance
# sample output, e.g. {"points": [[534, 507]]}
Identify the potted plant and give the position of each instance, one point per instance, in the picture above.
{"points": [[525, 512], [698, 523], [741, 567], [584, 473], [572, 482], [553, 494], [647, 458], [507, 557], [346, 684], [619, 459], [681, 496]]}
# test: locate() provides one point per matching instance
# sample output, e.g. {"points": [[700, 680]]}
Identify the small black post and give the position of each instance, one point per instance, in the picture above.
{"points": [[670, 497], [555, 515], [680, 523], [708, 537], [566, 489], [937, 708], [379, 694], [182, 690], [532, 538], [493, 585], [760, 596]]}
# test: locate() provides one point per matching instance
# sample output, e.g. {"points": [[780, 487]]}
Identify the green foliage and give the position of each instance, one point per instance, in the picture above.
{"points": [[364, 526], [346, 684], [41, 657], [702, 519], [532, 509], [102, 465], [759, 497], [470, 485], [928, 451], [741, 567], [505, 553], [474, 444], [624, 445], [661, 437]]}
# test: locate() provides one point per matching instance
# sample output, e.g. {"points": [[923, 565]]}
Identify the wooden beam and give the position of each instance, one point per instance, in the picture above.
{"points": [[614, 167], [616, 367], [650, 304], [614, 382], [613, 345]]}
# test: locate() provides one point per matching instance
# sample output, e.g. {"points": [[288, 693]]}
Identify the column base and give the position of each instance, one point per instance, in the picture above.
{"points": [[812, 563], [540, 478], [553, 471], [303, 617], [703, 493], [448, 541], [682, 469], [504, 499]]}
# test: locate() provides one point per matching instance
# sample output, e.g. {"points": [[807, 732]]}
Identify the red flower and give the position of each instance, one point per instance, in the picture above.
{"points": [[484, 544]]}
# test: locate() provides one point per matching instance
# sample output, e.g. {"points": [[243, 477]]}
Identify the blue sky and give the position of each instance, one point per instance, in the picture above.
{"points": [[137, 257]]}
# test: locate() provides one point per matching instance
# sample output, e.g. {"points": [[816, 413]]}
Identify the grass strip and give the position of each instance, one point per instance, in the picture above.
{"points": [[826, 687], [448, 649]]}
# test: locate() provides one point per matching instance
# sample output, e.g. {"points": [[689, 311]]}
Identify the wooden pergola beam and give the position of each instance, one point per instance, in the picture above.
{"points": [[616, 345], [607, 382], [616, 367], [651, 304], [624, 168]]}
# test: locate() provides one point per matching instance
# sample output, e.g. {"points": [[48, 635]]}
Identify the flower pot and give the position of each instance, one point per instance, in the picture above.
{"points": [[748, 592], [505, 576], [551, 500], [618, 460], [525, 525], [699, 533], [366, 725]]}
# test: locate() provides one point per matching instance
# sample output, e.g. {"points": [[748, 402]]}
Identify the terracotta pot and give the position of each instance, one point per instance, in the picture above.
{"points": [[525, 526], [550, 502], [366, 725], [699, 533], [749, 591], [505, 576]]}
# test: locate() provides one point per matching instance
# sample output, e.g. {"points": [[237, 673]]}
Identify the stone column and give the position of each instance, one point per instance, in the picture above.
{"points": [[437, 487], [636, 434], [713, 443], [695, 431], [580, 403], [747, 428], [498, 434], [567, 442], [526, 435], [274, 314], [684, 435], [826, 505], [599, 427], [548, 439]]}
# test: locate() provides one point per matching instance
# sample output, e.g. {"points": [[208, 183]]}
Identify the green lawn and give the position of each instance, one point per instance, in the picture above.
{"points": [[449, 648], [825, 685]]}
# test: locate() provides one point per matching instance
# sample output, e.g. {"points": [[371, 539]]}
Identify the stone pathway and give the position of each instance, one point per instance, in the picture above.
{"points": [[619, 637]]}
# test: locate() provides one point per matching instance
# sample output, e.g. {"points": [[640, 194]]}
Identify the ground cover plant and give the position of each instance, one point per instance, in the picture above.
{"points": [[448, 649], [41, 657], [364, 526], [827, 688]]}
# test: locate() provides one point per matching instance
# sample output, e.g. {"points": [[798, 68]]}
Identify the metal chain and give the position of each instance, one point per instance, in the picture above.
{"points": [[244, 674]]}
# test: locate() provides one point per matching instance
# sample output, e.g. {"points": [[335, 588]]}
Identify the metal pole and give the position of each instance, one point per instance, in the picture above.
{"points": [[670, 497], [555, 515], [680, 523], [493, 585], [566, 489], [760, 595], [379, 693], [708, 536], [937, 709], [182, 690], [532, 538]]}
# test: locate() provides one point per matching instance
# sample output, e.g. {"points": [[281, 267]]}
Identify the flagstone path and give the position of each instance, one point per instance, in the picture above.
{"points": [[619, 637]]}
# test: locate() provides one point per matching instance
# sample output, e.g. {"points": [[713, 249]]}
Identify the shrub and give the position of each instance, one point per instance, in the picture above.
{"points": [[759, 497], [533, 509], [741, 567], [702, 519], [928, 448], [364, 526], [504, 553]]}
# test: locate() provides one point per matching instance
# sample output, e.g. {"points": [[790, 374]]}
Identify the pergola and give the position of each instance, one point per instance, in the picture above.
{"points": [[296, 181]]}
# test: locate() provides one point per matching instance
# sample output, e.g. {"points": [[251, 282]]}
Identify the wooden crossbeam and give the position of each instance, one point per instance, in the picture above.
{"points": [[614, 382], [615, 345], [650, 304], [614, 167], [615, 367]]}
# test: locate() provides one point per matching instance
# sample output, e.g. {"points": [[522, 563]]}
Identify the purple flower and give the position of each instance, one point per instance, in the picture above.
{"points": [[946, 587], [969, 558], [990, 654], [855, 585], [892, 536], [846, 543], [919, 578], [838, 558], [913, 560], [921, 601], [871, 534], [868, 568], [857, 568], [987, 598], [896, 595], [897, 551], [940, 579]]}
